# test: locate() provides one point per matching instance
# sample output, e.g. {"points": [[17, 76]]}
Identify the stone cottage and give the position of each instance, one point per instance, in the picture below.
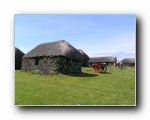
{"points": [[85, 62], [18, 58], [128, 62], [53, 57]]}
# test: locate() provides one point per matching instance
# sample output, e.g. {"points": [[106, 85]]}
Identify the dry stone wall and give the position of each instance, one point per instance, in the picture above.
{"points": [[48, 65]]}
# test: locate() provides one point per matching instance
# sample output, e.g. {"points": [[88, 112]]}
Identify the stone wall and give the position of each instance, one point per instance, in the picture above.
{"points": [[129, 64], [48, 65]]}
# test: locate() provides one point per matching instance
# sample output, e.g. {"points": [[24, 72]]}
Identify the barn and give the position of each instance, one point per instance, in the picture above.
{"points": [[128, 62], [18, 58], [53, 57], [85, 62], [108, 59]]}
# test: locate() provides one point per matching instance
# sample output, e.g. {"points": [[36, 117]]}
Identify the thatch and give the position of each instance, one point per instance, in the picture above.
{"points": [[18, 53], [102, 59], [85, 56], [57, 48], [128, 60]]}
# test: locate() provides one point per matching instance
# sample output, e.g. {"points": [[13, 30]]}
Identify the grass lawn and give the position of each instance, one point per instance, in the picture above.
{"points": [[115, 87]]}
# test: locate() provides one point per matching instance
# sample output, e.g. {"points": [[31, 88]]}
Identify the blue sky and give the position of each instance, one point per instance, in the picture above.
{"points": [[96, 35]]}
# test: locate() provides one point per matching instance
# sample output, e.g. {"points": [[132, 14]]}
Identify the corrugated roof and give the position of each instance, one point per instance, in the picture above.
{"points": [[57, 48]]}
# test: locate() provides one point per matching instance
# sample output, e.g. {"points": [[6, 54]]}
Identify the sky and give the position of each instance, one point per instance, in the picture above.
{"points": [[97, 35]]}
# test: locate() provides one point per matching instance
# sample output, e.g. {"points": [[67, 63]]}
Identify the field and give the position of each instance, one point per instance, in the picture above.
{"points": [[115, 87]]}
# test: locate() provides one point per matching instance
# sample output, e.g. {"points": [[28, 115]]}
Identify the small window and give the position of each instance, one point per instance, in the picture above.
{"points": [[36, 61]]}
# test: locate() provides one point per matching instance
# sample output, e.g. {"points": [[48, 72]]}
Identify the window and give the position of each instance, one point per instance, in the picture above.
{"points": [[36, 61]]}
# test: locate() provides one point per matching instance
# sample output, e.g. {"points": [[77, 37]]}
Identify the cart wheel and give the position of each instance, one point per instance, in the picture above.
{"points": [[98, 69]]}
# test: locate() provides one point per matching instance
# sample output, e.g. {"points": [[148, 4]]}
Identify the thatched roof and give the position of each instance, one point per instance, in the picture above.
{"points": [[57, 48], [18, 52], [128, 60], [102, 59], [85, 56]]}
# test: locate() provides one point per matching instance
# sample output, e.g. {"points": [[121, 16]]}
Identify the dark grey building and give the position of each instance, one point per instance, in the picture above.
{"points": [[18, 58]]}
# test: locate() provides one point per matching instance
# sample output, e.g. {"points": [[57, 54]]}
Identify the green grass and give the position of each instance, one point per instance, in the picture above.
{"points": [[115, 87]]}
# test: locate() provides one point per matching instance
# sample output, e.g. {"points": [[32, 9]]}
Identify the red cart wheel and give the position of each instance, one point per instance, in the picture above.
{"points": [[98, 68]]}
